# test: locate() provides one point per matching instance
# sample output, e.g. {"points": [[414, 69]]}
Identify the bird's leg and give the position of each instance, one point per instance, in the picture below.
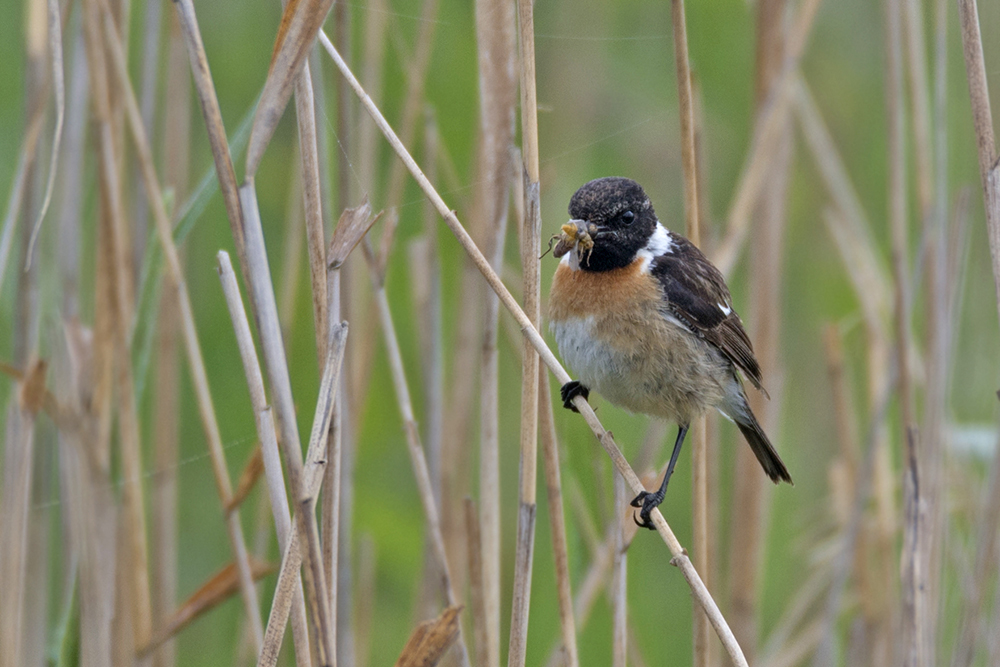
{"points": [[646, 500], [571, 390]]}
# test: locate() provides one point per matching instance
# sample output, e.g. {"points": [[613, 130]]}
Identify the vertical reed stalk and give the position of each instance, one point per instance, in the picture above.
{"points": [[495, 37], [699, 453], [163, 538], [531, 241], [557, 521], [619, 579]]}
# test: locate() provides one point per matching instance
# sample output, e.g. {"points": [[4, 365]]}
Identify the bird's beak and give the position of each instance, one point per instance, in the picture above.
{"points": [[575, 233]]}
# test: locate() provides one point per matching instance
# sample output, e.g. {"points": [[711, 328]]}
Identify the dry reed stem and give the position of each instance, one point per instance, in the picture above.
{"points": [[17, 483], [303, 495], [163, 538], [416, 451], [296, 34], [982, 120], [619, 578], [305, 114], [209, 102], [476, 585], [769, 127], [425, 272], [269, 449], [913, 568], [196, 361], [680, 558], [118, 276], [59, 88], [937, 324], [531, 241], [751, 509], [917, 76], [699, 464], [330, 512], [557, 521], [489, 463], [294, 555], [496, 48]]}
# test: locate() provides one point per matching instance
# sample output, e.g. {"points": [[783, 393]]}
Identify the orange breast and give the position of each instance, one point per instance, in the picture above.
{"points": [[619, 293]]}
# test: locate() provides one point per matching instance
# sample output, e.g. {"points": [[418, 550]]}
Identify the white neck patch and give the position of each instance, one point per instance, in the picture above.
{"points": [[660, 243]]}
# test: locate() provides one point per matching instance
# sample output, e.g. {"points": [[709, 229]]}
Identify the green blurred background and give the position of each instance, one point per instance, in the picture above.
{"points": [[607, 97]]}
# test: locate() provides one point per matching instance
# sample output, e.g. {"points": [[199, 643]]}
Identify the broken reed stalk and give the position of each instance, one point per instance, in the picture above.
{"points": [[557, 520], [699, 452], [268, 444], [414, 445], [269, 329], [531, 244], [196, 361], [606, 440], [294, 555]]}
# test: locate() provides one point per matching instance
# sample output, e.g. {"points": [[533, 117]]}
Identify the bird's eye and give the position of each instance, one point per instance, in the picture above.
{"points": [[628, 217]]}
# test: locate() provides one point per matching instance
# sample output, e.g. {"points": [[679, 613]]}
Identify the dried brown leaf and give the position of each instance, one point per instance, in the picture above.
{"points": [[354, 223], [251, 473], [430, 640], [220, 587], [300, 23], [33, 393]]}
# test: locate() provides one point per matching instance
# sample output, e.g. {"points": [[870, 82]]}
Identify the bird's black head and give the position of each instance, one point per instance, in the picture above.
{"points": [[624, 218]]}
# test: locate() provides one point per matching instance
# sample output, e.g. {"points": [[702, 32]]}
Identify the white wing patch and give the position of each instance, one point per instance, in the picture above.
{"points": [[660, 243], [726, 310]]}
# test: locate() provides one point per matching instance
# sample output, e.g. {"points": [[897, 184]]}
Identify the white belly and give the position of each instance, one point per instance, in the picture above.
{"points": [[669, 373]]}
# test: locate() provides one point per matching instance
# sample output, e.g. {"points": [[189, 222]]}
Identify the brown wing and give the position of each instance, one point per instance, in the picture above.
{"points": [[696, 294]]}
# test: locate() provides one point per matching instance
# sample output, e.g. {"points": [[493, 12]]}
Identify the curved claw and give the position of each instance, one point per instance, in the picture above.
{"points": [[571, 390], [648, 502]]}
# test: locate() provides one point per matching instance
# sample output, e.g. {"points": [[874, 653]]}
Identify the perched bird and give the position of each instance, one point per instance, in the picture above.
{"points": [[642, 316]]}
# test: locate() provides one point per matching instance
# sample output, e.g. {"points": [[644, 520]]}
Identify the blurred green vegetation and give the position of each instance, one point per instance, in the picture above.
{"points": [[607, 94]]}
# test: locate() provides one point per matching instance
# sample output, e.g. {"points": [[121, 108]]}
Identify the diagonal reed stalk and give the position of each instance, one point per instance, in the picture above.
{"points": [[679, 557]]}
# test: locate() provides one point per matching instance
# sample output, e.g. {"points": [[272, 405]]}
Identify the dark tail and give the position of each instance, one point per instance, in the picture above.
{"points": [[762, 448]]}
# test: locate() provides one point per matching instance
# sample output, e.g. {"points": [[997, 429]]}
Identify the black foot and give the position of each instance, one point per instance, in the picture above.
{"points": [[647, 501], [571, 390]]}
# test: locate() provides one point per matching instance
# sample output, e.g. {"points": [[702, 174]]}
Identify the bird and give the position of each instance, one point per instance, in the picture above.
{"points": [[645, 319]]}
